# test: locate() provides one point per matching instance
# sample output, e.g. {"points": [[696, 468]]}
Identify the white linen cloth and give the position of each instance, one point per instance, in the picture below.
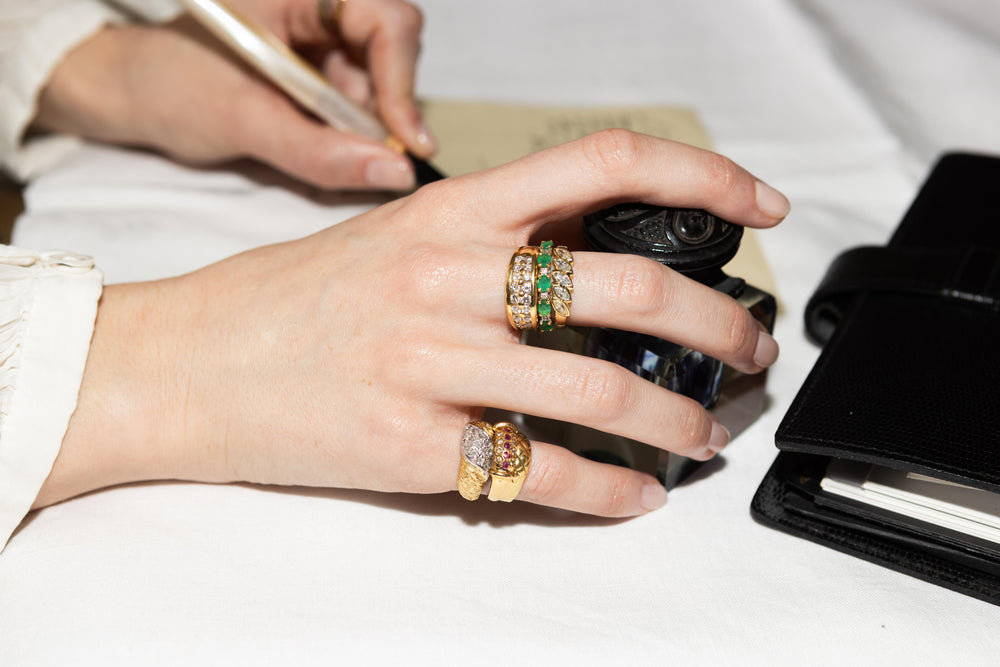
{"points": [[841, 105]]}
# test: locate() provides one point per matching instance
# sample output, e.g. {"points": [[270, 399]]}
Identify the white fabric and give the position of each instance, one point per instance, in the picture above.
{"points": [[34, 38], [842, 105], [48, 302]]}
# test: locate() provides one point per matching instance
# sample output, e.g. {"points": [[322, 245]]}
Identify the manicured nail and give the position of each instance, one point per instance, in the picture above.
{"points": [[771, 202], [718, 440], [392, 173], [654, 496], [426, 138], [767, 350]]}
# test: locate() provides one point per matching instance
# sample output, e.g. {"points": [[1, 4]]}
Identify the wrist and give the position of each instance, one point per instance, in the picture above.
{"points": [[127, 425]]}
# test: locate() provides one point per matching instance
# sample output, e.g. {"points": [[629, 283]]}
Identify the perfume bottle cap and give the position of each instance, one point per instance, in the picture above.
{"points": [[689, 240]]}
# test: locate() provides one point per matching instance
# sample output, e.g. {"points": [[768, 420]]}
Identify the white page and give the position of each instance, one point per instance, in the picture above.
{"points": [[960, 508]]}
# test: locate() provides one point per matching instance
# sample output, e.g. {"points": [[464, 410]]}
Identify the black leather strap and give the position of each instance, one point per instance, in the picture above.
{"points": [[971, 274]]}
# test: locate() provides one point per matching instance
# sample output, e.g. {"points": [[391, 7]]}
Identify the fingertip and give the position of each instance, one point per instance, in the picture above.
{"points": [[410, 128], [718, 438], [391, 172], [426, 143], [767, 350], [654, 496], [771, 202]]}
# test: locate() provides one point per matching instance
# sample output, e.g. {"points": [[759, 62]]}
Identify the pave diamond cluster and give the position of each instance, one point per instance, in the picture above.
{"points": [[539, 287], [477, 446]]}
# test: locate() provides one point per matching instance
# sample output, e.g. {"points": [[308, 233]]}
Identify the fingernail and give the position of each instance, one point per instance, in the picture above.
{"points": [[392, 173], [771, 202], [654, 496], [767, 350], [718, 439], [426, 138]]}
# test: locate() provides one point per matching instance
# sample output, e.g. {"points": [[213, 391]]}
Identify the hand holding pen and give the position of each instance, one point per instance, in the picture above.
{"points": [[178, 89]]}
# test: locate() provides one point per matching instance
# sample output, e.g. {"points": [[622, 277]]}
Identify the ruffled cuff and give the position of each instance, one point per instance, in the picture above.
{"points": [[48, 305]]}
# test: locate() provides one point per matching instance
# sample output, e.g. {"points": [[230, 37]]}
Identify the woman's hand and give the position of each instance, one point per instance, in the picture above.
{"points": [[354, 357], [175, 88]]}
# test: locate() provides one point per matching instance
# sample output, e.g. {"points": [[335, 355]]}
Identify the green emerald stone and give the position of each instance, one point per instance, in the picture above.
{"points": [[546, 246], [546, 326], [544, 283], [544, 260], [544, 309]]}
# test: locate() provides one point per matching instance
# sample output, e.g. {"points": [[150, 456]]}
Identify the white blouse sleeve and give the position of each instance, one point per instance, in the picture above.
{"points": [[35, 35], [48, 305]]}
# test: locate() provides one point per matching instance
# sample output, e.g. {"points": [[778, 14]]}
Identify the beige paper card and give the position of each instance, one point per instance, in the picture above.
{"points": [[475, 136]]}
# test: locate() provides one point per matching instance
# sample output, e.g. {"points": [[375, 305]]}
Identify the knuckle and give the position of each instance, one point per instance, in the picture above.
{"points": [[723, 173], [605, 392], [639, 287], [405, 19], [741, 332], [408, 366], [441, 204], [613, 152], [550, 481], [411, 17], [617, 494], [692, 429], [424, 272]]}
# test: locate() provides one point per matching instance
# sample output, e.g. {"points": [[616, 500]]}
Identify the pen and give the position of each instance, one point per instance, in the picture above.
{"points": [[298, 79]]}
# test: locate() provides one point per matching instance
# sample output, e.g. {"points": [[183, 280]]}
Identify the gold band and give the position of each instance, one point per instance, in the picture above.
{"points": [[554, 286], [471, 480], [477, 459], [330, 12], [520, 304], [511, 459]]}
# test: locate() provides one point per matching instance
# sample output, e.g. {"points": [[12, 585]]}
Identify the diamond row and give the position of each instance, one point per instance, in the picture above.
{"points": [[520, 288]]}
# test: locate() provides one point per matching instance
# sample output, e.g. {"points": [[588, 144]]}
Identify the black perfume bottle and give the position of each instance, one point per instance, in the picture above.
{"points": [[697, 244]]}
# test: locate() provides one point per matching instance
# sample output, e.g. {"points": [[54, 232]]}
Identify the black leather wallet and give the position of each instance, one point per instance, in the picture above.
{"points": [[909, 379]]}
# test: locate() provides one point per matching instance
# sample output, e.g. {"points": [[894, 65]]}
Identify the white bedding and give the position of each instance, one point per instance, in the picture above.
{"points": [[843, 105]]}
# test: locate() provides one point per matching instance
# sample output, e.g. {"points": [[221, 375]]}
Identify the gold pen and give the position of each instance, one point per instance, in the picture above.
{"points": [[270, 56]]}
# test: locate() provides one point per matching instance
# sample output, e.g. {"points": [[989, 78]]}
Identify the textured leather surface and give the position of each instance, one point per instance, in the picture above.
{"points": [[947, 246], [909, 379]]}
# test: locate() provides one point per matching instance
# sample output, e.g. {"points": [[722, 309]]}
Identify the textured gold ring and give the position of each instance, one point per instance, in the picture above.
{"points": [[554, 286], [521, 311], [330, 12], [511, 459], [477, 459]]}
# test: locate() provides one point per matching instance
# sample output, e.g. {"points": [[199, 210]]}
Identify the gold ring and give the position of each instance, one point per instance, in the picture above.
{"points": [[554, 286], [511, 458], [521, 311], [477, 459], [330, 12]]}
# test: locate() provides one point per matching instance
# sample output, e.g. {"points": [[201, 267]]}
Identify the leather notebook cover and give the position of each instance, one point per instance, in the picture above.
{"points": [[909, 379]]}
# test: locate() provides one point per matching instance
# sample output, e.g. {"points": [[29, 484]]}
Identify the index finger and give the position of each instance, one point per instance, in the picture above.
{"points": [[613, 166], [389, 33]]}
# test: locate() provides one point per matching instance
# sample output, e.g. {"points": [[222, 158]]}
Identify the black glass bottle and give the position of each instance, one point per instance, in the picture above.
{"points": [[697, 244]]}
